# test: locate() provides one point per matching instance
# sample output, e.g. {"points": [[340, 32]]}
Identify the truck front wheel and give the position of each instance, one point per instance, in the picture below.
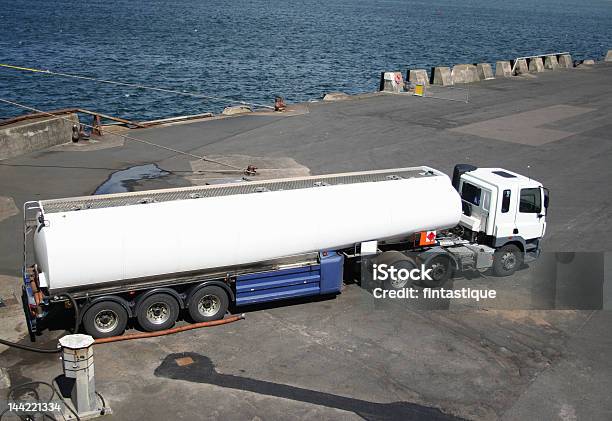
{"points": [[208, 303], [105, 319], [507, 260]]}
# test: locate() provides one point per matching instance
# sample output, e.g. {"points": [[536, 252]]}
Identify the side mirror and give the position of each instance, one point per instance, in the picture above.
{"points": [[546, 198]]}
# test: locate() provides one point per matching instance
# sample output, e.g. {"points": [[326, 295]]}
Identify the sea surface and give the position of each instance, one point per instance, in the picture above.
{"points": [[252, 50]]}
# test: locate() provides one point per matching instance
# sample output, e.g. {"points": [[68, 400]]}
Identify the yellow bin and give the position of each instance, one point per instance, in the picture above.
{"points": [[419, 89]]}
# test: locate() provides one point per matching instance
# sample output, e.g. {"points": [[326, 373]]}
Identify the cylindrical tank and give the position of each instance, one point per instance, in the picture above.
{"points": [[92, 246]]}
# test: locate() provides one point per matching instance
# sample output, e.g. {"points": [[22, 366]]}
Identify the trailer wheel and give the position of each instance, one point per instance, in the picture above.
{"points": [[507, 260], [105, 319], [157, 312], [441, 271], [208, 303]]}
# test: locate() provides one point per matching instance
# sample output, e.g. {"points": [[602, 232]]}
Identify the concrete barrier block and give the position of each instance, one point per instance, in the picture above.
{"points": [[31, 135], [465, 73], [418, 76], [335, 96], [485, 72], [565, 61], [392, 82], [551, 63], [520, 67], [503, 69], [237, 109], [536, 65], [588, 62], [608, 56], [442, 76]]}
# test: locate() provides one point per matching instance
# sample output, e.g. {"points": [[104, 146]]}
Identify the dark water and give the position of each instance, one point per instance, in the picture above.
{"points": [[253, 50]]}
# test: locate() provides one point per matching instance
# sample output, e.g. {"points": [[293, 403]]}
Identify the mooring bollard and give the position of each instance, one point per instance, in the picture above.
{"points": [[279, 104], [78, 364]]}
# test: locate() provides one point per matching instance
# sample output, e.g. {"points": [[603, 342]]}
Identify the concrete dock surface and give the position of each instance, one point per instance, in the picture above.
{"points": [[353, 356]]}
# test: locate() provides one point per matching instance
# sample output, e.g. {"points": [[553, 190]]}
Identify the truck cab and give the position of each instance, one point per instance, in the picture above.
{"points": [[503, 210]]}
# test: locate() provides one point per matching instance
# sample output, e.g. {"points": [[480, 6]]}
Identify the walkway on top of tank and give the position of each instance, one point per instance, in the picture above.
{"points": [[246, 187]]}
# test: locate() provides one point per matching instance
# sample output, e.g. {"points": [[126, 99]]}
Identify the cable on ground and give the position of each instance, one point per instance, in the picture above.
{"points": [[146, 142]]}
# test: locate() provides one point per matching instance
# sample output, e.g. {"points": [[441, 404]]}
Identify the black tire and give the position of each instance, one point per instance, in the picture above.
{"points": [[441, 271], [157, 312], [105, 319], [208, 303], [399, 261], [507, 259]]}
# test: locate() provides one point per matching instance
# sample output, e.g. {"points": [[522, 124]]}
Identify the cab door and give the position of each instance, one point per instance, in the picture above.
{"points": [[505, 215], [530, 219]]}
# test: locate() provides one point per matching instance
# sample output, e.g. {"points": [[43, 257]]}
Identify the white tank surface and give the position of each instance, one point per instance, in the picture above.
{"points": [[120, 237]]}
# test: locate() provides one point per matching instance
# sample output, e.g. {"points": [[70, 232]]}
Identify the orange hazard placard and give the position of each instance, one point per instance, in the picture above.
{"points": [[427, 238]]}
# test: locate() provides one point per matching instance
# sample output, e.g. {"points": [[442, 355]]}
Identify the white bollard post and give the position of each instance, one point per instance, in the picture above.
{"points": [[78, 363]]}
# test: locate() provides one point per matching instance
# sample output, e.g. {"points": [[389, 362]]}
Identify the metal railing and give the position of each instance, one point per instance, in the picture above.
{"points": [[536, 56]]}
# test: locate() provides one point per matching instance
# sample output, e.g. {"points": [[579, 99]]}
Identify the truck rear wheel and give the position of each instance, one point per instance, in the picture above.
{"points": [[507, 260], [208, 303], [400, 262], [157, 312], [105, 319], [440, 273]]}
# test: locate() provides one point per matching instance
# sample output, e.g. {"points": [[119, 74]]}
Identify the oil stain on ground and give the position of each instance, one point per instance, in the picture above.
{"points": [[197, 368], [129, 179]]}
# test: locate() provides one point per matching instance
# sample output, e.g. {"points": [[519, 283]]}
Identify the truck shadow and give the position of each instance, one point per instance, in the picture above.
{"points": [[250, 308], [197, 368]]}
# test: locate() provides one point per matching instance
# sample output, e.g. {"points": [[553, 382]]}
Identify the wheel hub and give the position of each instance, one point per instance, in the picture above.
{"points": [[106, 321], [209, 305], [158, 313], [438, 270], [398, 283], [508, 261]]}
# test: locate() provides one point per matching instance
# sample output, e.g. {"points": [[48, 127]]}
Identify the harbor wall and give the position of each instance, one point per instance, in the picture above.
{"points": [[35, 134]]}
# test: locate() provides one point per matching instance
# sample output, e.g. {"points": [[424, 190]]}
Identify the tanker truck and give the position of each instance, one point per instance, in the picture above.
{"points": [[150, 256]]}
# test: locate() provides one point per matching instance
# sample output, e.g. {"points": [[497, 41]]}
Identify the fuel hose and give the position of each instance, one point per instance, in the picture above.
{"points": [[143, 335]]}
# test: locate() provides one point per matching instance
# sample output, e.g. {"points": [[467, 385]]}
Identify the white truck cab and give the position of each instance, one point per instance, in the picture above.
{"points": [[502, 222], [503, 210]]}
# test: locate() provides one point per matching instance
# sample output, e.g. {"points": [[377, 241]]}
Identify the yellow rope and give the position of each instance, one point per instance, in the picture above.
{"points": [[133, 85]]}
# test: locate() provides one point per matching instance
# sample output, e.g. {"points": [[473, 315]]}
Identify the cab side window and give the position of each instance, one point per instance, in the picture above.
{"points": [[470, 193], [531, 201], [505, 206]]}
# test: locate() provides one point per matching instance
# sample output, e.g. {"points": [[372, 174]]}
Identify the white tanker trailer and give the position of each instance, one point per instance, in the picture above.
{"points": [[151, 254]]}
